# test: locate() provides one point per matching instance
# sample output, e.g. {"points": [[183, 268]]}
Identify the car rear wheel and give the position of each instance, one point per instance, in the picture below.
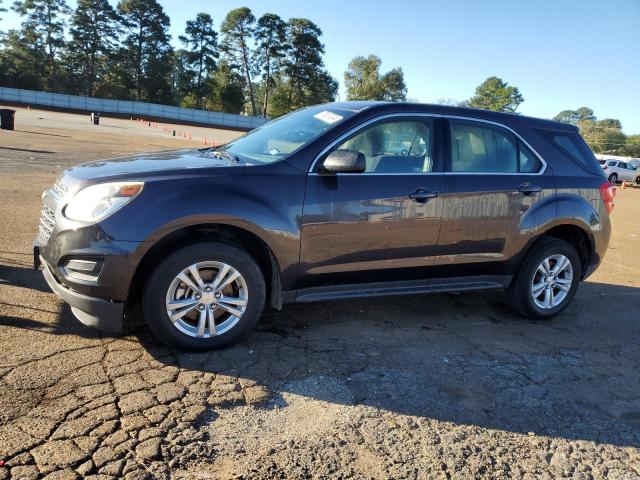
{"points": [[547, 280], [204, 296], [613, 178]]}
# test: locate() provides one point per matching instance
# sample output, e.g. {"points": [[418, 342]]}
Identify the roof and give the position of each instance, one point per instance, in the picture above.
{"points": [[360, 106]]}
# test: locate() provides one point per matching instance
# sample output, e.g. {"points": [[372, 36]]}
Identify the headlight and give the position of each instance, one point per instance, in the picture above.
{"points": [[99, 201]]}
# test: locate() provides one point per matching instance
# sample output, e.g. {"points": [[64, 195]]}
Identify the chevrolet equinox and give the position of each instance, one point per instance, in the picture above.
{"points": [[334, 201]]}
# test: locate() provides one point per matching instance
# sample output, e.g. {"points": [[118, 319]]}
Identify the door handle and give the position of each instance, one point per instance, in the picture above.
{"points": [[529, 189], [422, 196]]}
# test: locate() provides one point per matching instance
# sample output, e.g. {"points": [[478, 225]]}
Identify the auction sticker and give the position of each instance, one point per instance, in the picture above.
{"points": [[328, 117]]}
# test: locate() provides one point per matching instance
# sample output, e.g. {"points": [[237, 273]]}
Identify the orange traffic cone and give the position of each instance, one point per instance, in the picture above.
{"points": [[623, 185]]}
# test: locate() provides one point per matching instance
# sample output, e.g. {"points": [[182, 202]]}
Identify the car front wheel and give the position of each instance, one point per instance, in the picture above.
{"points": [[547, 279], [204, 296]]}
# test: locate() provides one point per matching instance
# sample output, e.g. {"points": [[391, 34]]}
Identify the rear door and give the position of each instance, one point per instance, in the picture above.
{"points": [[492, 182], [383, 224]]}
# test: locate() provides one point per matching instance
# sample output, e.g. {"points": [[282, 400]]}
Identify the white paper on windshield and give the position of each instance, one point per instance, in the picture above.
{"points": [[328, 117]]}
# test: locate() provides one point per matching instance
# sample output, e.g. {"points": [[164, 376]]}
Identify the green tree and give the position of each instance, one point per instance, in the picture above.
{"points": [[363, 81], [2, 9], [631, 146], [94, 32], [574, 117], [145, 48], [183, 80], [271, 48], [46, 19], [308, 81], [603, 136], [227, 94], [237, 31], [22, 58], [496, 95], [201, 41], [613, 123]]}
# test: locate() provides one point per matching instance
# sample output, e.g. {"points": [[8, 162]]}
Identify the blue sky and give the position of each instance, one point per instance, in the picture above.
{"points": [[561, 54]]}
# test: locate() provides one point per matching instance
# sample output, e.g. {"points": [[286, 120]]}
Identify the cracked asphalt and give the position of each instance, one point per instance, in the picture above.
{"points": [[439, 386]]}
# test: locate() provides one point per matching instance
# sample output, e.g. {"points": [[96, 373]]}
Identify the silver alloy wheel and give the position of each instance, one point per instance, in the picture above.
{"points": [[207, 299], [551, 281]]}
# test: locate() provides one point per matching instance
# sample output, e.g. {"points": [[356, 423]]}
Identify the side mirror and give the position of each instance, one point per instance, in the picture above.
{"points": [[345, 161]]}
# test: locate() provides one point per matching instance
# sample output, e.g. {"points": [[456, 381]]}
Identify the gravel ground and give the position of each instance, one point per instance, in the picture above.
{"points": [[440, 386]]}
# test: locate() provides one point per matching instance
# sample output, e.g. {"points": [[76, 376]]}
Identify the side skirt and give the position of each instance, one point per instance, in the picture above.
{"points": [[435, 285]]}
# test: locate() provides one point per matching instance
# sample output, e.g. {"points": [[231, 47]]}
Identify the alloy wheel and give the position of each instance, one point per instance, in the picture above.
{"points": [[206, 299], [551, 282]]}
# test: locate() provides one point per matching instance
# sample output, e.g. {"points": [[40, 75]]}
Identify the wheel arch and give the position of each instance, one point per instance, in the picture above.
{"points": [[572, 233], [219, 232]]}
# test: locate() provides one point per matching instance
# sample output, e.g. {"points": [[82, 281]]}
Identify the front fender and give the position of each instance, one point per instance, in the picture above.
{"points": [[268, 206]]}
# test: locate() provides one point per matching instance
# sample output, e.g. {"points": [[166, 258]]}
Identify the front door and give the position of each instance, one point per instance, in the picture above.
{"points": [[380, 225]]}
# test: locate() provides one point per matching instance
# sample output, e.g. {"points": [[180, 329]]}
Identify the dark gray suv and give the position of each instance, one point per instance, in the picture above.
{"points": [[334, 201]]}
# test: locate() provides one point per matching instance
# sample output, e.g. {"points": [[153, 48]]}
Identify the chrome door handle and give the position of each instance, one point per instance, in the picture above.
{"points": [[422, 196]]}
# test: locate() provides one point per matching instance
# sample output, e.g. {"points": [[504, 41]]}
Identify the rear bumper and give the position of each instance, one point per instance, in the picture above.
{"points": [[93, 312]]}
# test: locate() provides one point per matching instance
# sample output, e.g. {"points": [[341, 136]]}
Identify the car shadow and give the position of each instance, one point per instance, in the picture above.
{"points": [[20, 273], [455, 358]]}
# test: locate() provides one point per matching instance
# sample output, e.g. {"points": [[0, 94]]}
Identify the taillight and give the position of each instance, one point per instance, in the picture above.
{"points": [[608, 192]]}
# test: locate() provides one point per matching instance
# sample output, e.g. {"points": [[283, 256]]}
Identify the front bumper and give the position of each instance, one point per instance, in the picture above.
{"points": [[94, 312]]}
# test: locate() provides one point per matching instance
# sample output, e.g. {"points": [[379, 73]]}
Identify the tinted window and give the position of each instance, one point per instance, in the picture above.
{"points": [[622, 165], [528, 162], [573, 147], [612, 164], [476, 148], [396, 146]]}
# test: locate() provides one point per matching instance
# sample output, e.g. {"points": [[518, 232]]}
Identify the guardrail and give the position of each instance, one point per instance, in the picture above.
{"points": [[127, 107]]}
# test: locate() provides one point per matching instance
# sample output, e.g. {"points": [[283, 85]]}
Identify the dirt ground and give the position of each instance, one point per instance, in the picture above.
{"points": [[439, 386]]}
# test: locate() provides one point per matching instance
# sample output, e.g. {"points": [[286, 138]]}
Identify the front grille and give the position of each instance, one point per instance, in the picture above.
{"points": [[47, 223]]}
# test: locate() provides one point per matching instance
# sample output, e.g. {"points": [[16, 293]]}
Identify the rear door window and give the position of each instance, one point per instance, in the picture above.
{"points": [[480, 148]]}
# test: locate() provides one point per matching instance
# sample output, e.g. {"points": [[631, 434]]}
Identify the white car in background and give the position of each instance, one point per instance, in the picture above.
{"points": [[617, 171]]}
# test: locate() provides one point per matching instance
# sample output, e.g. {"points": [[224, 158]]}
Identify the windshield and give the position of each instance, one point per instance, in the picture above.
{"points": [[280, 138]]}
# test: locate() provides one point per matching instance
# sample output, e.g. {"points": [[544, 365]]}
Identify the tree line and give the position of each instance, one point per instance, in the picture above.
{"points": [[265, 66], [603, 136]]}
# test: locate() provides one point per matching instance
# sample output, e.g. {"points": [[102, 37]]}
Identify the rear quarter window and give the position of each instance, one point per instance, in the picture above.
{"points": [[573, 147]]}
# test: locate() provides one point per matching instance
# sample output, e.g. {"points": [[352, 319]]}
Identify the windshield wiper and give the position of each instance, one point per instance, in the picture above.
{"points": [[226, 155]]}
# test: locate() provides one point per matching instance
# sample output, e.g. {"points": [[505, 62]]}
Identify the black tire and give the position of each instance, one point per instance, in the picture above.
{"points": [[519, 293], [156, 288], [613, 178]]}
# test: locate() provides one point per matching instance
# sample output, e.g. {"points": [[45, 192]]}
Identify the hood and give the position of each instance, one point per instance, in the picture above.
{"points": [[177, 162]]}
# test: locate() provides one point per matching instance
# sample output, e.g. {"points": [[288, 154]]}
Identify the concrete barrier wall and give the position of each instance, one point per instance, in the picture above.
{"points": [[126, 107]]}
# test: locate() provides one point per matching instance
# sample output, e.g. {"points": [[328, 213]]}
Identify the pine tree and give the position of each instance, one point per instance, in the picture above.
{"points": [[94, 35], [497, 95], [237, 30], [22, 58], [271, 48], [308, 81], [46, 19], [145, 48], [201, 41]]}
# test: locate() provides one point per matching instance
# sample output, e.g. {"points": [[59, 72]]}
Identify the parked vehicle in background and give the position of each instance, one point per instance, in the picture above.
{"points": [[341, 200], [617, 171]]}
